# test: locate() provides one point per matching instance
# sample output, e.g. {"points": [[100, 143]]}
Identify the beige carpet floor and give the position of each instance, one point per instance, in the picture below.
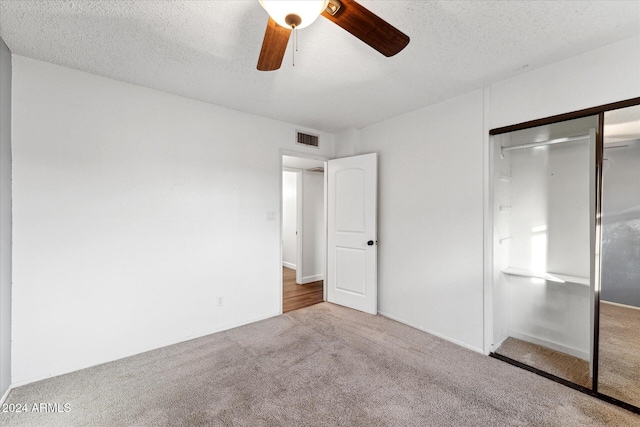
{"points": [[321, 365], [554, 362], [619, 364], [619, 358]]}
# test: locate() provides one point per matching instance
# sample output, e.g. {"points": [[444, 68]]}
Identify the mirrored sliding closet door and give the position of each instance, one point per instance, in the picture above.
{"points": [[619, 332], [544, 198], [566, 249]]}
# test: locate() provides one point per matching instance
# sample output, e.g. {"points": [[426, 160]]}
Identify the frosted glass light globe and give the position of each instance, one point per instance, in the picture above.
{"points": [[307, 10]]}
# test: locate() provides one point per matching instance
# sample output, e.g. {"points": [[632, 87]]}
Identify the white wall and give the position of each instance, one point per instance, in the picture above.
{"points": [[308, 195], [133, 211], [5, 218], [598, 77], [434, 187], [313, 224], [430, 217], [289, 219]]}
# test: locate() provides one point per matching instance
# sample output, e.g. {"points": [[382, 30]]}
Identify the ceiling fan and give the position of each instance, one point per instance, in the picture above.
{"points": [[288, 15]]}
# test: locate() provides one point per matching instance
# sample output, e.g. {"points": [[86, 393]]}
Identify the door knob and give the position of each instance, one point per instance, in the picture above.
{"points": [[370, 243]]}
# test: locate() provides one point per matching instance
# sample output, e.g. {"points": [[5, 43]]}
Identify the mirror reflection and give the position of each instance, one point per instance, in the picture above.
{"points": [[544, 222], [619, 337]]}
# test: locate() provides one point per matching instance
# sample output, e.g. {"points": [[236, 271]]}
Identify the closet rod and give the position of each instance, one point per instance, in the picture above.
{"points": [[548, 142]]}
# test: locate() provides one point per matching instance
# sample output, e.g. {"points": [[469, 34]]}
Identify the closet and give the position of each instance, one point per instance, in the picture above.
{"points": [[565, 198]]}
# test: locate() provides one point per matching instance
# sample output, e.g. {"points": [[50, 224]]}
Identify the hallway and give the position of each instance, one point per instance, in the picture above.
{"points": [[296, 296]]}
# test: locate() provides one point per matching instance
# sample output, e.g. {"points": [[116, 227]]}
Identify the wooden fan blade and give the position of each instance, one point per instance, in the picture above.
{"points": [[368, 27], [274, 46]]}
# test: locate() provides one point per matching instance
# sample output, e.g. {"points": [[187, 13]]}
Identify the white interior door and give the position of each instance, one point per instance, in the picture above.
{"points": [[352, 263]]}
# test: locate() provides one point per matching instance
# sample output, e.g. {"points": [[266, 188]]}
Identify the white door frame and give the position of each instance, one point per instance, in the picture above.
{"points": [[299, 279], [299, 221]]}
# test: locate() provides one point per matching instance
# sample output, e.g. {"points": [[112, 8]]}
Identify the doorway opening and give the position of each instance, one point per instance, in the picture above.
{"points": [[303, 232]]}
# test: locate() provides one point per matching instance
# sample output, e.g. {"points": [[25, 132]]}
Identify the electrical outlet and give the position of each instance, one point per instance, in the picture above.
{"points": [[219, 301]]}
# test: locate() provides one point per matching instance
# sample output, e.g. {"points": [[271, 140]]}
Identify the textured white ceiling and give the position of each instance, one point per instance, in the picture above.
{"points": [[208, 50]]}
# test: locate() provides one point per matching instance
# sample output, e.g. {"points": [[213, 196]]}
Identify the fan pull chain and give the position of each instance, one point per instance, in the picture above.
{"points": [[295, 45]]}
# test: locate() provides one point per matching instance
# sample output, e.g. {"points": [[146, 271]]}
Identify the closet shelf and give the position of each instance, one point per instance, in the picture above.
{"points": [[553, 277]]}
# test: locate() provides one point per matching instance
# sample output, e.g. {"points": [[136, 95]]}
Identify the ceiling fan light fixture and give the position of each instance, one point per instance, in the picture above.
{"points": [[294, 13]]}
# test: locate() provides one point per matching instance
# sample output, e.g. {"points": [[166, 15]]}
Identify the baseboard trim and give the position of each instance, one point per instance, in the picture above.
{"points": [[137, 352], [444, 337], [575, 352], [310, 279], [617, 304], [6, 393], [288, 265], [499, 344]]}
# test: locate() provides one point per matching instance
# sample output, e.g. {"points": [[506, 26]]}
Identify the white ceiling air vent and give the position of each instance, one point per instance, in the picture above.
{"points": [[307, 139]]}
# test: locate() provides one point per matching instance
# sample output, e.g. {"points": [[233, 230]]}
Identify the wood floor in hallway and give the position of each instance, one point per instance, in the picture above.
{"points": [[296, 296]]}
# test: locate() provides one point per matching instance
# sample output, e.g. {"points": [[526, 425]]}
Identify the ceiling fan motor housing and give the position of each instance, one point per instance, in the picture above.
{"points": [[333, 7], [293, 20]]}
